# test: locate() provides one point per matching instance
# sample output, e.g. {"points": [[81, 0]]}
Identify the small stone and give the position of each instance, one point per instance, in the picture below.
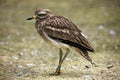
{"points": [[2, 43], [68, 59], [15, 57], [102, 71], [30, 65], [19, 73], [20, 66], [109, 66], [74, 67], [21, 54], [26, 75], [87, 77], [87, 67], [18, 33], [112, 32], [101, 27]]}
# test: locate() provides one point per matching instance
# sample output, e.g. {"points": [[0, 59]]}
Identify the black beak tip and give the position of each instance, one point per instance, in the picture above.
{"points": [[29, 18]]}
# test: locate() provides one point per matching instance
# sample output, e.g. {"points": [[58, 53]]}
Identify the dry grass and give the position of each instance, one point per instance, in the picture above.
{"points": [[25, 56]]}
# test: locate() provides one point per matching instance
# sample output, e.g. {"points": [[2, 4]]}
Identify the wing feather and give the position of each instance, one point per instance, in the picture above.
{"points": [[63, 30]]}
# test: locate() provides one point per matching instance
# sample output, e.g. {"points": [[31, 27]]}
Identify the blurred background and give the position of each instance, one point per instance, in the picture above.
{"points": [[24, 55]]}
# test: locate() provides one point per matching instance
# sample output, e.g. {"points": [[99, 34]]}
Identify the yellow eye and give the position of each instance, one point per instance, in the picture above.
{"points": [[41, 15]]}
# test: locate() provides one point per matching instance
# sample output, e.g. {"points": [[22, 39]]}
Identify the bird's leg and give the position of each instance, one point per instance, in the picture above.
{"points": [[67, 51], [57, 72], [61, 61]]}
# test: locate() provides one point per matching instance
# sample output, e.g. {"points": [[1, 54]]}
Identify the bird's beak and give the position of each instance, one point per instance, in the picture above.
{"points": [[33, 17]]}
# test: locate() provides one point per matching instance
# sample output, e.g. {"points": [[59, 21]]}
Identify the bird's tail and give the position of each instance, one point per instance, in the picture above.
{"points": [[86, 56]]}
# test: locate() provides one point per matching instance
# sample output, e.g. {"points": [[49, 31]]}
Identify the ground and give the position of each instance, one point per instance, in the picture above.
{"points": [[25, 56]]}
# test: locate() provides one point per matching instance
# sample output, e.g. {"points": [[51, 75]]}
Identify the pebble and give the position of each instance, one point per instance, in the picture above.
{"points": [[87, 67], [15, 57], [101, 27], [74, 67], [30, 65], [109, 66], [112, 32], [19, 73], [68, 59], [20, 66], [21, 54], [87, 77], [2, 43]]}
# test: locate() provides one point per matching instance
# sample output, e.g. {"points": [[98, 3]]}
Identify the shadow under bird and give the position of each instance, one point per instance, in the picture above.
{"points": [[62, 33]]}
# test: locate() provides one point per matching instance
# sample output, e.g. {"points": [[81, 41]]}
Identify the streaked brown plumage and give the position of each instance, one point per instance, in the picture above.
{"points": [[62, 33]]}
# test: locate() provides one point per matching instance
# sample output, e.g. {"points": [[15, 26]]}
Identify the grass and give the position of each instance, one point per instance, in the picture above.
{"points": [[24, 55]]}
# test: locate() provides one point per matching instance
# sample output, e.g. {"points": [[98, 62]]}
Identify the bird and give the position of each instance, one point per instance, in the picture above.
{"points": [[61, 33]]}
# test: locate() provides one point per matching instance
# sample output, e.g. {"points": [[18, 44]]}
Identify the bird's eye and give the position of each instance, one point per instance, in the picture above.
{"points": [[41, 15]]}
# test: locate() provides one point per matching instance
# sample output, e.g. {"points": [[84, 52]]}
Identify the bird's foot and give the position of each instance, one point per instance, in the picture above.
{"points": [[55, 73]]}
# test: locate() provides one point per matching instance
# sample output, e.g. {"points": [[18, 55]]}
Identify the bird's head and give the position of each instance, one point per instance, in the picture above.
{"points": [[41, 14]]}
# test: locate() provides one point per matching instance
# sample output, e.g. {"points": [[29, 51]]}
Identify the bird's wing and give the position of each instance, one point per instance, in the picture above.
{"points": [[63, 30]]}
